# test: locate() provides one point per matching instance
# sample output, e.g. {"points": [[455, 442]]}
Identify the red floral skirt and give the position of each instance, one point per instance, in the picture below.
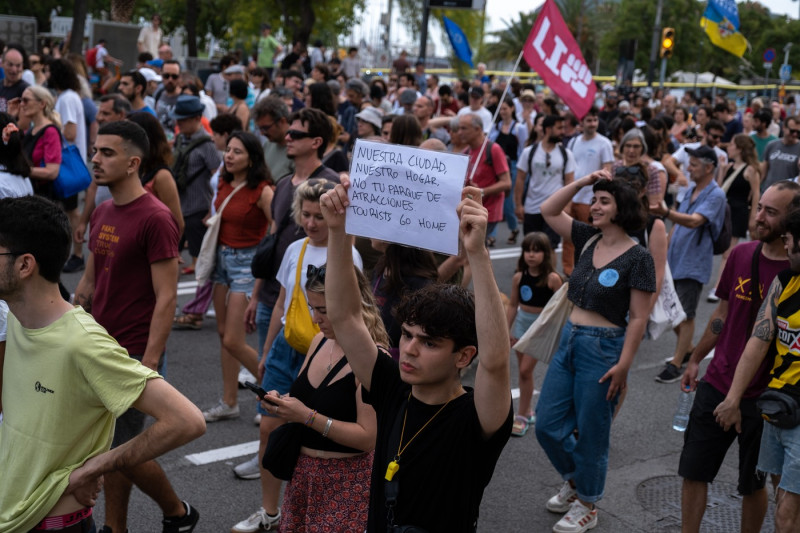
{"points": [[327, 495]]}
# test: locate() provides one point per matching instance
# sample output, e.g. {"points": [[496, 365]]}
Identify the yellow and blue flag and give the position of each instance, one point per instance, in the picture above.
{"points": [[458, 40], [721, 22]]}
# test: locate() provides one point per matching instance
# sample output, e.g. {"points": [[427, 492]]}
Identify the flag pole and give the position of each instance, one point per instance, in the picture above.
{"points": [[494, 119]]}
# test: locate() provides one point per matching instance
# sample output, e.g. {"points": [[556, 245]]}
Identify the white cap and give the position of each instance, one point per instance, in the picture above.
{"points": [[149, 74]]}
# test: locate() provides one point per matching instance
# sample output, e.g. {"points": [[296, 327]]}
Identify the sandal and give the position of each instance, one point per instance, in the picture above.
{"points": [[531, 418], [512, 239], [490, 242], [520, 426], [187, 322], [188, 270]]}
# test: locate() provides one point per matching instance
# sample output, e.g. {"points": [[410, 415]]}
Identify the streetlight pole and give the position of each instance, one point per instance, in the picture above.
{"points": [[654, 46], [426, 10]]}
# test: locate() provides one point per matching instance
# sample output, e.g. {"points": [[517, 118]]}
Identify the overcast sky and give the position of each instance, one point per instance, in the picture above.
{"points": [[497, 10]]}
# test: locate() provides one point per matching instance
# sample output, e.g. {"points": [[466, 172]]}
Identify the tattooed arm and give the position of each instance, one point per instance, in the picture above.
{"points": [[727, 412], [707, 343]]}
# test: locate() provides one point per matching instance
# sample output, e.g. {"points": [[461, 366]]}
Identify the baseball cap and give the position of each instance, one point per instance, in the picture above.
{"points": [[703, 152], [149, 74]]}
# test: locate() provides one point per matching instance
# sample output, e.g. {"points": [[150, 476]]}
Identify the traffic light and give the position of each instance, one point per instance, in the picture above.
{"points": [[667, 42]]}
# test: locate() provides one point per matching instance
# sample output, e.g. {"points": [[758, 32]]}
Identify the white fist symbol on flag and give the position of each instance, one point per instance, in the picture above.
{"points": [[577, 74]]}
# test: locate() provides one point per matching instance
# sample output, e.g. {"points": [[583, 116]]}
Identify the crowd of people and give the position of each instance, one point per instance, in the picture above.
{"points": [[361, 344]]}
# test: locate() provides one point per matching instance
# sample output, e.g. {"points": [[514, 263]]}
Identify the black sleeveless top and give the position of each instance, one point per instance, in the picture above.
{"points": [[507, 141], [739, 190], [530, 293], [337, 401]]}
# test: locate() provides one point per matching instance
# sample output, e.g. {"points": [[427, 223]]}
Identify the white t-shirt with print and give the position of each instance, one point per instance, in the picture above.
{"points": [[589, 156], [315, 255], [545, 179]]}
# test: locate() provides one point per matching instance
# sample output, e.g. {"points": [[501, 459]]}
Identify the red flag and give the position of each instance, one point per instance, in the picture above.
{"points": [[552, 51]]}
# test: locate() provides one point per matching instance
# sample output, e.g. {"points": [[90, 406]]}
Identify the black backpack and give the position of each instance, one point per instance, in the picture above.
{"points": [[723, 240], [180, 168], [534, 147]]}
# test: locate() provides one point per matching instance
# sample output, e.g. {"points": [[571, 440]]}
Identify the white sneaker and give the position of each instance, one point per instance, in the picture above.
{"points": [[561, 502], [249, 469], [712, 296], [258, 521], [579, 519], [221, 411], [257, 419], [245, 375]]}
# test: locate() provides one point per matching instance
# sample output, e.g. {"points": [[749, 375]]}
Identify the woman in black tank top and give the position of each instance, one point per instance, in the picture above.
{"points": [[338, 428]]}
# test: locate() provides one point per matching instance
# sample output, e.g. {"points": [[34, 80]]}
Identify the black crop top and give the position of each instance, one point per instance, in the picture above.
{"points": [[606, 290], [336, 401], [530, 293]]}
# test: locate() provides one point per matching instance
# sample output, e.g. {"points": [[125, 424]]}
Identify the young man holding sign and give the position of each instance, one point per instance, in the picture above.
{"points": [[429, 425]]}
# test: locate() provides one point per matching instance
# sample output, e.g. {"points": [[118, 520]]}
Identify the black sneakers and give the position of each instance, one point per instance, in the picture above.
{"points": [[181, 524], [670, 374]]}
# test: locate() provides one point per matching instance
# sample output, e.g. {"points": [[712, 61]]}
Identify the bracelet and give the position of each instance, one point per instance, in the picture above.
{"points": [[328, 425], [311, 415]]}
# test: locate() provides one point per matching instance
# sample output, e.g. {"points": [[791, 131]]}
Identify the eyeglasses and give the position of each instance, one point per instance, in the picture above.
{"points": [[316, 272], [21, 253], [26, 100], [170, 76], [794, 132], [296, 135], [265, 128], [632, 145], [715, 137]]}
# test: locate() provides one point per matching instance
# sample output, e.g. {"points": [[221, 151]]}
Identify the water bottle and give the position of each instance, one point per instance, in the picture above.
{"points": [[681, 418]]}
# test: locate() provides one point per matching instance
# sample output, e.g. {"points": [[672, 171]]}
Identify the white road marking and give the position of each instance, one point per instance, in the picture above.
{"points": [[223, 454]]}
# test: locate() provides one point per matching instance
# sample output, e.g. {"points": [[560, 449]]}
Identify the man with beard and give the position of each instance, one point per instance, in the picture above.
{"points": [[549, 169], [727, 333], [168, 97], [133, 86], [129, 288], [774, 343], [781, 155], [66, 376]]}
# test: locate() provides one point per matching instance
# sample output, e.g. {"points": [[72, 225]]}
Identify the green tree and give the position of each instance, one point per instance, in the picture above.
{"points": [[510, 40]]}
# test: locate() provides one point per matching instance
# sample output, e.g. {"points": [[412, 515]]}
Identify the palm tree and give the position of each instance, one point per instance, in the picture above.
{"points": [[511, 40]]}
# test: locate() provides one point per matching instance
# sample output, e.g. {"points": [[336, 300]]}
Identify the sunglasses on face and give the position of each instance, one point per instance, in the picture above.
{"points": [[715, 137], [296, 135], [25, 100], [170, 76], [794, 132]]}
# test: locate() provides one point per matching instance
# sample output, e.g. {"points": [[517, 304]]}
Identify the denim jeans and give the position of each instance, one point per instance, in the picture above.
{"points": [[263, 316], [572, 398]]}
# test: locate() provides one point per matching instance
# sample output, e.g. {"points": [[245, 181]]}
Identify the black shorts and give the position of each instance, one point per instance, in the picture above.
{"points": [[705, 443], [193, 233], [688, 291]]}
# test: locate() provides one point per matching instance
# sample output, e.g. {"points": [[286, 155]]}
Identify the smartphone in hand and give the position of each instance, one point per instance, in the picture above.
{"points": [[261, 393]]}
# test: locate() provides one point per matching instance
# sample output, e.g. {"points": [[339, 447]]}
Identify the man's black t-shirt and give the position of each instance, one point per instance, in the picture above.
{"points": [[445, 469], [10, 92]]}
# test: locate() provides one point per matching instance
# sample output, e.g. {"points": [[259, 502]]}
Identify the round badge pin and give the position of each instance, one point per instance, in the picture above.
{"points": [[608, 277]]}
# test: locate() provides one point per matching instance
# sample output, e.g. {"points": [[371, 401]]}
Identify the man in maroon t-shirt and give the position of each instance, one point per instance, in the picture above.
{"points": [[491, 174], [727, 332], [129, 287]]}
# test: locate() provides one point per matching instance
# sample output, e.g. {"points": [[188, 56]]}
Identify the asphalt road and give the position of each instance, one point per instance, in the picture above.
{"points": [[642, 490]]}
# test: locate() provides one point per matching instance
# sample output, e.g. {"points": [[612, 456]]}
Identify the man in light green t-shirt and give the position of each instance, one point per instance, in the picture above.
{"points": [[267, 48], [64, 381]]}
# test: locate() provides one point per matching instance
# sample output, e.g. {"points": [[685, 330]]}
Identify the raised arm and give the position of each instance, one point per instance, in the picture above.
{"points": [[764, 331], [553, 207], [492, 380], [342, 297]]}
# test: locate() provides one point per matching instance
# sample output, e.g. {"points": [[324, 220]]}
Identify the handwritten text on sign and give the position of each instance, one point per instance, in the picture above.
{"points": [[406, 195]]}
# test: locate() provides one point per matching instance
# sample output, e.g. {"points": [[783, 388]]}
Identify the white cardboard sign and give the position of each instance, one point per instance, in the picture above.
{"points": [[406, 195]]}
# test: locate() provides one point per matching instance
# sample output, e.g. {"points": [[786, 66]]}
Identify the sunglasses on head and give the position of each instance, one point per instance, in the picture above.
{"points": [[296, 135], [170, 76], [316, 272]]}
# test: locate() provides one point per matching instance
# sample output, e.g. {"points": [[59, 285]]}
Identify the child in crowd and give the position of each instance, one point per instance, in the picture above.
{"points": [[534, 282]]}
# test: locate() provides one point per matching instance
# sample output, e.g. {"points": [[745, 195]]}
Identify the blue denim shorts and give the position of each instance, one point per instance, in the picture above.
{"points": [[233, 269], [780, 454], [281, 368], [522, 322]]}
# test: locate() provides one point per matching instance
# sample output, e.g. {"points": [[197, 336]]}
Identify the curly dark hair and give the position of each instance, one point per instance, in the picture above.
{"points": [[258, 171], [63, 76], [631, 215], [442, 311]]}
